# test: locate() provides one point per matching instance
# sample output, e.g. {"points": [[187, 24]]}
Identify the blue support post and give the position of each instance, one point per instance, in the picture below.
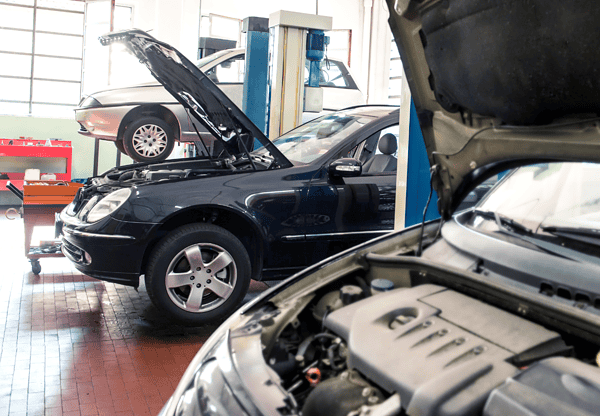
{"points": [[254, 103], [418, 178]]}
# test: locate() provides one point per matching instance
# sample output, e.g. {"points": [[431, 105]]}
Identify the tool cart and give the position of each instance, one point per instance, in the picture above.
{"points": [[41, 201]]}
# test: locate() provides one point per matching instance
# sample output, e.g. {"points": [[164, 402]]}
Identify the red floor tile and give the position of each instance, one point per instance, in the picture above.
{"points": [[71, 345]]}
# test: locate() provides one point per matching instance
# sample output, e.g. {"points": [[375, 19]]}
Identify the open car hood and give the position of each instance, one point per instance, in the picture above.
{"points": [[497, 84], [205, 101]]}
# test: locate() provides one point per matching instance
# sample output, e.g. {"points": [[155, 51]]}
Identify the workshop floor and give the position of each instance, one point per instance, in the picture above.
{"points": [[73, 345]]}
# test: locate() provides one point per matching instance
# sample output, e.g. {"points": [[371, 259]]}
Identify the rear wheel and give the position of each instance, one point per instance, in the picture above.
{"points": [[198, 274], [148, 139]]}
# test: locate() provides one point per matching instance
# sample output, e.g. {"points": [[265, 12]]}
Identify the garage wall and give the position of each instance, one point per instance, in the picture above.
{"points": [[174, 21], [377, 48]]}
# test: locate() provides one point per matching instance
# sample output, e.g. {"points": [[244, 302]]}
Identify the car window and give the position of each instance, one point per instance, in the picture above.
{"points": [[368, 149], [229, 71], [202, 62], [395, 130], [332, 74]]}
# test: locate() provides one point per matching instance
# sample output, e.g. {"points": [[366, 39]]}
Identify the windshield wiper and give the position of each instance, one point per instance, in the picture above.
{"points": [[502, 221], [585, 235], [546, 246]]}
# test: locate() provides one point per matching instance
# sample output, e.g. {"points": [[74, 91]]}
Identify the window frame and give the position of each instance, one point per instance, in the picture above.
{"points": [[240, 56], [32, 54]]}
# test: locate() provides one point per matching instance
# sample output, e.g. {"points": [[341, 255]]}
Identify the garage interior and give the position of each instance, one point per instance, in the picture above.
{"points": [[72, 344], [216, 207]]}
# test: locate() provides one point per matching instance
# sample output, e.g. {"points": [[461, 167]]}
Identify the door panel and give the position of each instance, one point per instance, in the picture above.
{"points": [[351, 210], [279, 208]]}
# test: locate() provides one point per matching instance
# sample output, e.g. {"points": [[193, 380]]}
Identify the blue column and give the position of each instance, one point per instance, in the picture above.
{"points": [[417, 186], [315, 52], [254, 103]]}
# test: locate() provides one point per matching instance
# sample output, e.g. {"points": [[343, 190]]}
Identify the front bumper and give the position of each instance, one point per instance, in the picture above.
{"points": [[110, 256]]}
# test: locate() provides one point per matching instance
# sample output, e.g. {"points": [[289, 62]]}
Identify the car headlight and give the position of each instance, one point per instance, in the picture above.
{"points": [[88, 207], [108, 205], [89, 102]]}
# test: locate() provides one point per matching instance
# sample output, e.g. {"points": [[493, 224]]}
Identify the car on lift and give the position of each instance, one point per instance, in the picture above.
{"points": [[144, 121], [489, 311]]}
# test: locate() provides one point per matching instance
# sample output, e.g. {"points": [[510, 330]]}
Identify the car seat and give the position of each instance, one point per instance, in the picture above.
{"points": [[385, 162]]}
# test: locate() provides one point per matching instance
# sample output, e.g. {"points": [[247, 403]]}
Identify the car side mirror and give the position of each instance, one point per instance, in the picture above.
{"points": [[346, 167]]}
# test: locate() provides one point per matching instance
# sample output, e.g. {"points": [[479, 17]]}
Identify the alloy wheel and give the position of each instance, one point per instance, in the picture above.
{"points": [[149, 140], [201, 277]]}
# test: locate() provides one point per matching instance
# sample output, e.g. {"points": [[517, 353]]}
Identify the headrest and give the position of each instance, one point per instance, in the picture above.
{"points": [[388, 144]]}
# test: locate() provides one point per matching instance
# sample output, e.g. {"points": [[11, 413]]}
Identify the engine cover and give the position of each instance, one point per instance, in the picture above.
{"points": [[557, 386], [442, 351]]}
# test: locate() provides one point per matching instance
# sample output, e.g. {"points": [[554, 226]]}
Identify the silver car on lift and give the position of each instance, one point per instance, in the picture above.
{"points": [[144, 120]]}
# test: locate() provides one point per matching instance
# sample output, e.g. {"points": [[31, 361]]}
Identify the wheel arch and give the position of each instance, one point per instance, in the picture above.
{"points": [[236, 222], [150, 110]]}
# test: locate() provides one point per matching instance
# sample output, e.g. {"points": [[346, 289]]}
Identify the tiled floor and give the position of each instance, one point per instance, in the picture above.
{"points": [[72, 345]]}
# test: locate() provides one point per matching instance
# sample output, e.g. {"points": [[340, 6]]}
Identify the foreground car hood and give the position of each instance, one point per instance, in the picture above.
{"points": [[499, 84], [446, 341], [182, 79]]}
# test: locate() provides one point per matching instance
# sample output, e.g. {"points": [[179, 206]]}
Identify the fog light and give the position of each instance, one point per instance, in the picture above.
{"points": [[88, 258]]}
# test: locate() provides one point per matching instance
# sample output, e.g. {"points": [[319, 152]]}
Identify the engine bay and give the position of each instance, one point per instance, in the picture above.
{"points": [[98, 187], [424, 350], [181, 169]]}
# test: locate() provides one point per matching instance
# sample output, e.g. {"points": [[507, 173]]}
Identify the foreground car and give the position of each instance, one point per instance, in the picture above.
{"points": [[491, 311], [493, 318], [144, 121]]}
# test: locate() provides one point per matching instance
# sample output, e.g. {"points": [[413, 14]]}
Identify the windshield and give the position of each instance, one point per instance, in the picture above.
{"points": [[550, 195], [312, 140]]}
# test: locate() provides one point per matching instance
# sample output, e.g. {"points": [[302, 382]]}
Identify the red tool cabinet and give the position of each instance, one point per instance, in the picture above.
{"points": [[34, 154]]}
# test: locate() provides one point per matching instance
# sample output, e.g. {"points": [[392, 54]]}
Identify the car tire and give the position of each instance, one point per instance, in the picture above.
{"points": [[181, 282], [120, 147], [148, 139]]}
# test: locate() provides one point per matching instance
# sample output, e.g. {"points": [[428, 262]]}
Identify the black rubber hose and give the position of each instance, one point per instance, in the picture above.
{"points": [[330, 354], [364, 286], [306, 343]]}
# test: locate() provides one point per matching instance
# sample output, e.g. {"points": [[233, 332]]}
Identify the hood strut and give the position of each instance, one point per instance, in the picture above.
{"points": [[242, 142], [198, 134]]}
